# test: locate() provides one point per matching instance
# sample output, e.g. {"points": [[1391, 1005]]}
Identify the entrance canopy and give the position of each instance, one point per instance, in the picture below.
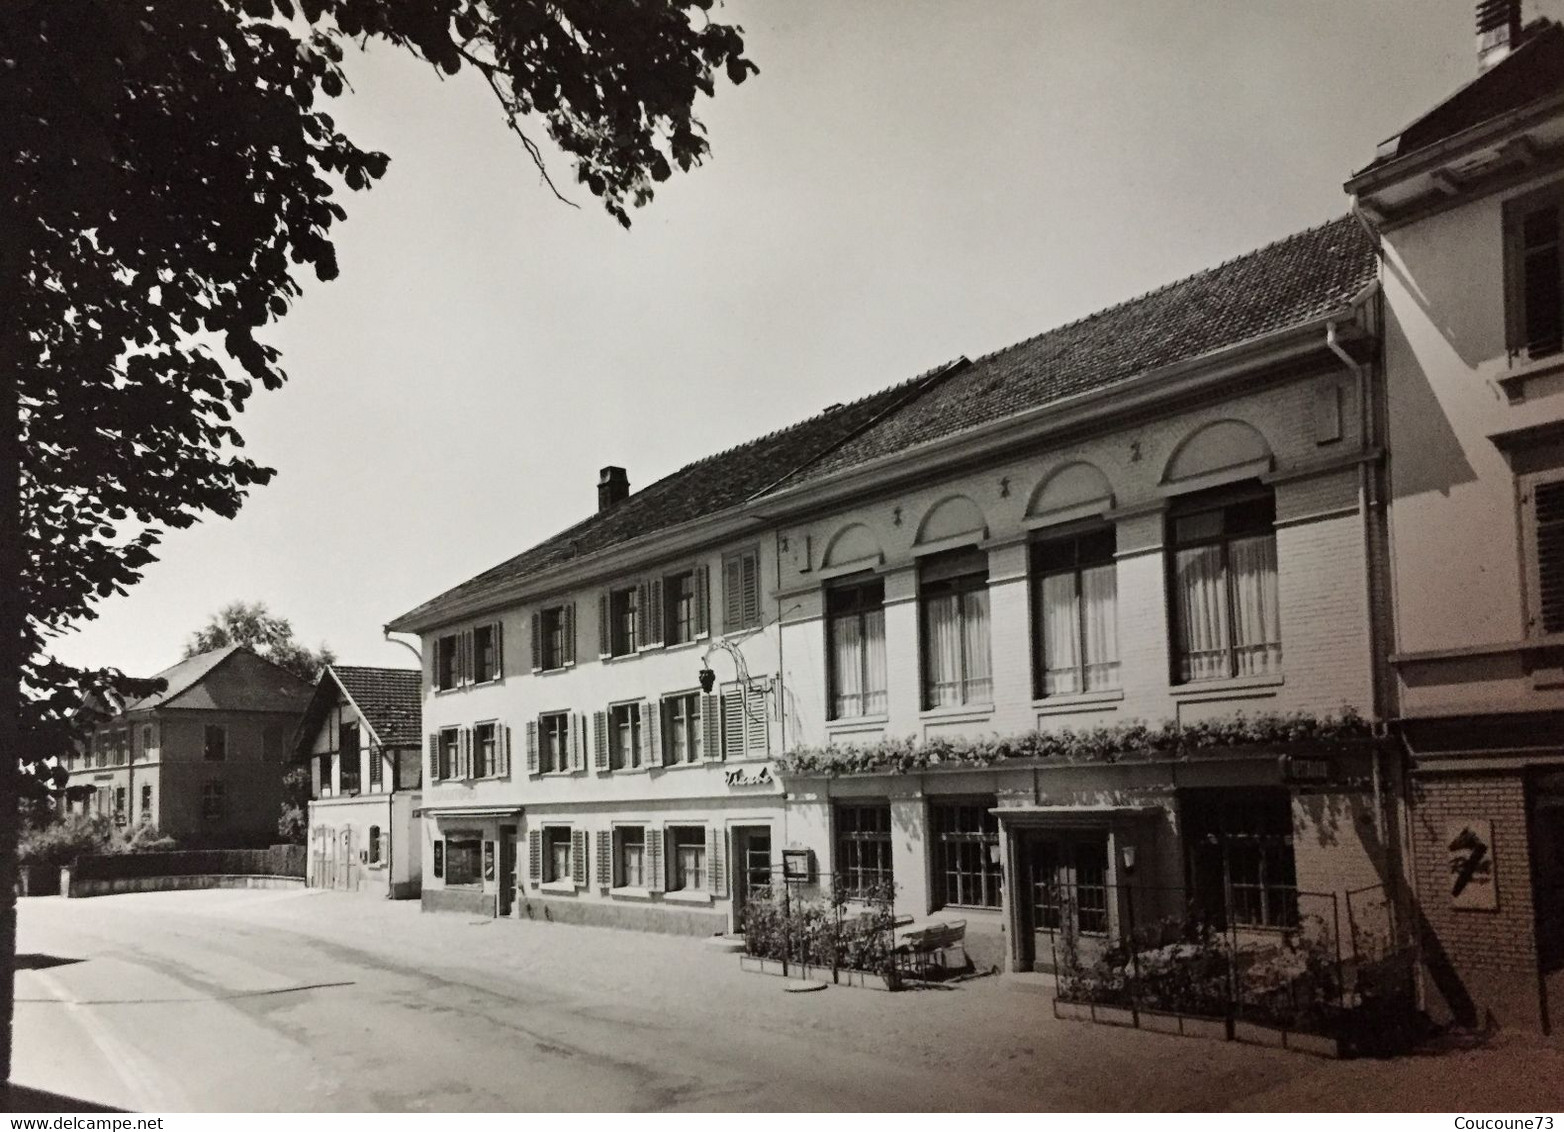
{"points": [[468, 812]]}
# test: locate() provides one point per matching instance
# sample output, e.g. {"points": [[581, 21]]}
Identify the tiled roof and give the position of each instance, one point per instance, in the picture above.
{"points": [[1283, 284], [390, 698], [699, 489], [184, 675], [1531, 72]]}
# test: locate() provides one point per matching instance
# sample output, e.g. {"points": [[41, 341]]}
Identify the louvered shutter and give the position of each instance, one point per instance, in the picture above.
{"points": [[532, 746], [534, 856], [499, 650], [502, 742], [732, 593], [605, 613], [1542, 298], [434, 756], [537, 642], [600, 740], [465, 748], [751, 571], [757, 730], [605, 858], [711, 727], [1548, 530], [574, 726], [702, 600], [642, 614], [733, 722], [578, 857], [653, 856], [654, 612], [651, 733], [569, 616], [468, 662], [717, 884]]}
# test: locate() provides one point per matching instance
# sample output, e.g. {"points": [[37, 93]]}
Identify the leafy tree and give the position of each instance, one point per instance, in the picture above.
{"points": [[293, 820], [169, 166], [256, 629]]}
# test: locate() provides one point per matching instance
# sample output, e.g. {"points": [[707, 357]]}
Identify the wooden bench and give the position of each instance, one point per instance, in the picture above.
{"points": [[920, 947]]}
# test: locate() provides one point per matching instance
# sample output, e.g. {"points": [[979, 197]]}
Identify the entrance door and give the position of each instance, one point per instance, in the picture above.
{"points": [[507, 869], [1547, 865], [1067, 889], [752, 872]]}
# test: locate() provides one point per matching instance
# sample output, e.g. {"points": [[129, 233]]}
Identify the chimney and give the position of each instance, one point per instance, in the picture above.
{"points": [[1498, 31], [613, 486]]}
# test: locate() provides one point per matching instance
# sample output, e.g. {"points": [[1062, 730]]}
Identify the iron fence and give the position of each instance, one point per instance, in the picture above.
{"points": [[823, 922], [1315, 962]]}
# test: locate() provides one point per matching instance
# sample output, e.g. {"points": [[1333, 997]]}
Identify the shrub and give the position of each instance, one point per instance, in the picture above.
{"points": [[60, 842]]}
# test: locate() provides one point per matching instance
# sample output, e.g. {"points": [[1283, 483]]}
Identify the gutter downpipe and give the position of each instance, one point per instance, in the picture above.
{"points": [[390, 847]]}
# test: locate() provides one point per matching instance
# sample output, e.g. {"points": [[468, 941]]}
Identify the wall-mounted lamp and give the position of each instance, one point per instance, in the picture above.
{"points": [[1128, 854], [708, 680]]}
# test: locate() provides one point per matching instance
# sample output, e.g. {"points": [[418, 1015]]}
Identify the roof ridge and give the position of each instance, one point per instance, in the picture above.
{"points": [[1168, 286]]}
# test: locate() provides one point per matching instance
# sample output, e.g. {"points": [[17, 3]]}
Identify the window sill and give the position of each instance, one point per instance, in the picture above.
{"points": [[1513, 380], [682, 897], [559, 887], [858, 723], [629, 893], [1079, 700], [964, 713], [1226, 688], [680, 766], [613, 657], [625, 770], [676, 646]]}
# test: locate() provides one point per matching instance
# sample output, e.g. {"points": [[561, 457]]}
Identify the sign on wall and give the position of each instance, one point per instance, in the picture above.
{"points": [[749, 776], [1470, 846]]}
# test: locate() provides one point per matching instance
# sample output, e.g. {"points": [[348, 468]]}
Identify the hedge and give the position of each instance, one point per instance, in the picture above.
{"points": [[278, 861]]}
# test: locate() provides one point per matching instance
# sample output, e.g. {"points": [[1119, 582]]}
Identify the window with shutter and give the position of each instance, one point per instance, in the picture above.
{"points": [[600, 740], [733, 721], [605, 616], [578, 857], [716, 838], [702, 601], [740, 590], [504, 745], [568, 652], [757, 721], [1535, 269], [711, 728], [605, 858], [434, 758], [447, 662], [532, 746], [537, 642], [652, 637], [577, 741], [653, 858], [651, 729], [1547, 554], [535, 856]]}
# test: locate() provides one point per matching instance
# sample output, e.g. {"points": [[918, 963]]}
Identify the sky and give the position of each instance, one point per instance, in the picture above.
{"points": [[905, 182]]}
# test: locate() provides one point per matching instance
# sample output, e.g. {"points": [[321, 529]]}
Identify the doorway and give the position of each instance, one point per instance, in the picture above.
{"points": [[507, 878], [1064, 894], [752, 867]]}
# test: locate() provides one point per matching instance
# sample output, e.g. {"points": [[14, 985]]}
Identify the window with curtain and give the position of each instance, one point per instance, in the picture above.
{"points": [[1075, 599], [1228, 621], [624, 736], [855, 616], [953, 594]]}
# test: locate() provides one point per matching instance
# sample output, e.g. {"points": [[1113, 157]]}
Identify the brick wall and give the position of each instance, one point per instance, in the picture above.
{"points": [[1479, 966]]}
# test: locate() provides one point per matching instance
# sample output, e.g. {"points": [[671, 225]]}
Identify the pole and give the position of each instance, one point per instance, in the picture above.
{"points": [[1129, 915]]}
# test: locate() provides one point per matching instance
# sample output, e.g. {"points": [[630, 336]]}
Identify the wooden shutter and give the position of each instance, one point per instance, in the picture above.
{"points": [[733, 721], [568, 614], [468, 659], [642, 614], [605, 858], [534, 856], [751, 595], [605, 613], [653, 858], [1542, 298], [757, 719], [1548, 531], [537, 642], [702, 600], [502, 747], [574, 726], [499, 650], [732, 592], [434, 757], [532, 746], [717, 880], [711, 727], [654, 612], [600, 740], [578, 857], [651, 732]]}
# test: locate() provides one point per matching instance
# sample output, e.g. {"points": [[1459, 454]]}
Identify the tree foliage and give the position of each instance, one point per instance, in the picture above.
{"points": [[254, 627], [293, 818]]}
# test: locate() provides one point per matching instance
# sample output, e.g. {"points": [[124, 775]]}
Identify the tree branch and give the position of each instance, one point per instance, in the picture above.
{"points": [[489, 71]]}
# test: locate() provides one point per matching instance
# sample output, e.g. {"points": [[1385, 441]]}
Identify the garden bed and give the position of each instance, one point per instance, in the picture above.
{"points": [[1200, 1026], [841, 976]]}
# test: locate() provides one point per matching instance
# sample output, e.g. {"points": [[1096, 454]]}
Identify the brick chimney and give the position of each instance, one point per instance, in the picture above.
{"points": [[1498, 31], [613, 486]]}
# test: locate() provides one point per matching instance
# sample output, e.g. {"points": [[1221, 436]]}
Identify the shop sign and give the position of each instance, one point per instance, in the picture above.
{"points": [[749, 776], [1470, 846], [1307, 769]]}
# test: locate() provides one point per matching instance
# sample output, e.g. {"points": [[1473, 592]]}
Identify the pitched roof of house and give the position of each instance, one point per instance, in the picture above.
{"points": [[391, 700], [184, 676], [1284, 284], [1532, 71]]}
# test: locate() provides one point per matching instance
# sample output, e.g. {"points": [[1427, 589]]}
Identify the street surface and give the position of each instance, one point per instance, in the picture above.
{"points": [[314, 1001]]}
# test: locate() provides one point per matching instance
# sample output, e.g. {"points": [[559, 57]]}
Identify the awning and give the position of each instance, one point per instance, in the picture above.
{"points": [[467, 812]]}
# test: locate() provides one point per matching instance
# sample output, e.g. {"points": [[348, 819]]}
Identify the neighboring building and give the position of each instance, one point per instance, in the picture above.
{"points": [[202, 760], [1162, 512], [360, 736], [1468, 202]]}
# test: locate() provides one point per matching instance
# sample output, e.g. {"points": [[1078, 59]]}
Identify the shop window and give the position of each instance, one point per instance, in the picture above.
{"points": [[1070, 883], [863, 847], [1225, 605], [1241, 861], [463, 859], [1075, 612], [439, 860], [966, 854], [855, 628], [953, 596]]}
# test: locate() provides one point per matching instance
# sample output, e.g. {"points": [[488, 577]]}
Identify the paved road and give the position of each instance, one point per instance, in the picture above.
{"points": [[307, 1001]]}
